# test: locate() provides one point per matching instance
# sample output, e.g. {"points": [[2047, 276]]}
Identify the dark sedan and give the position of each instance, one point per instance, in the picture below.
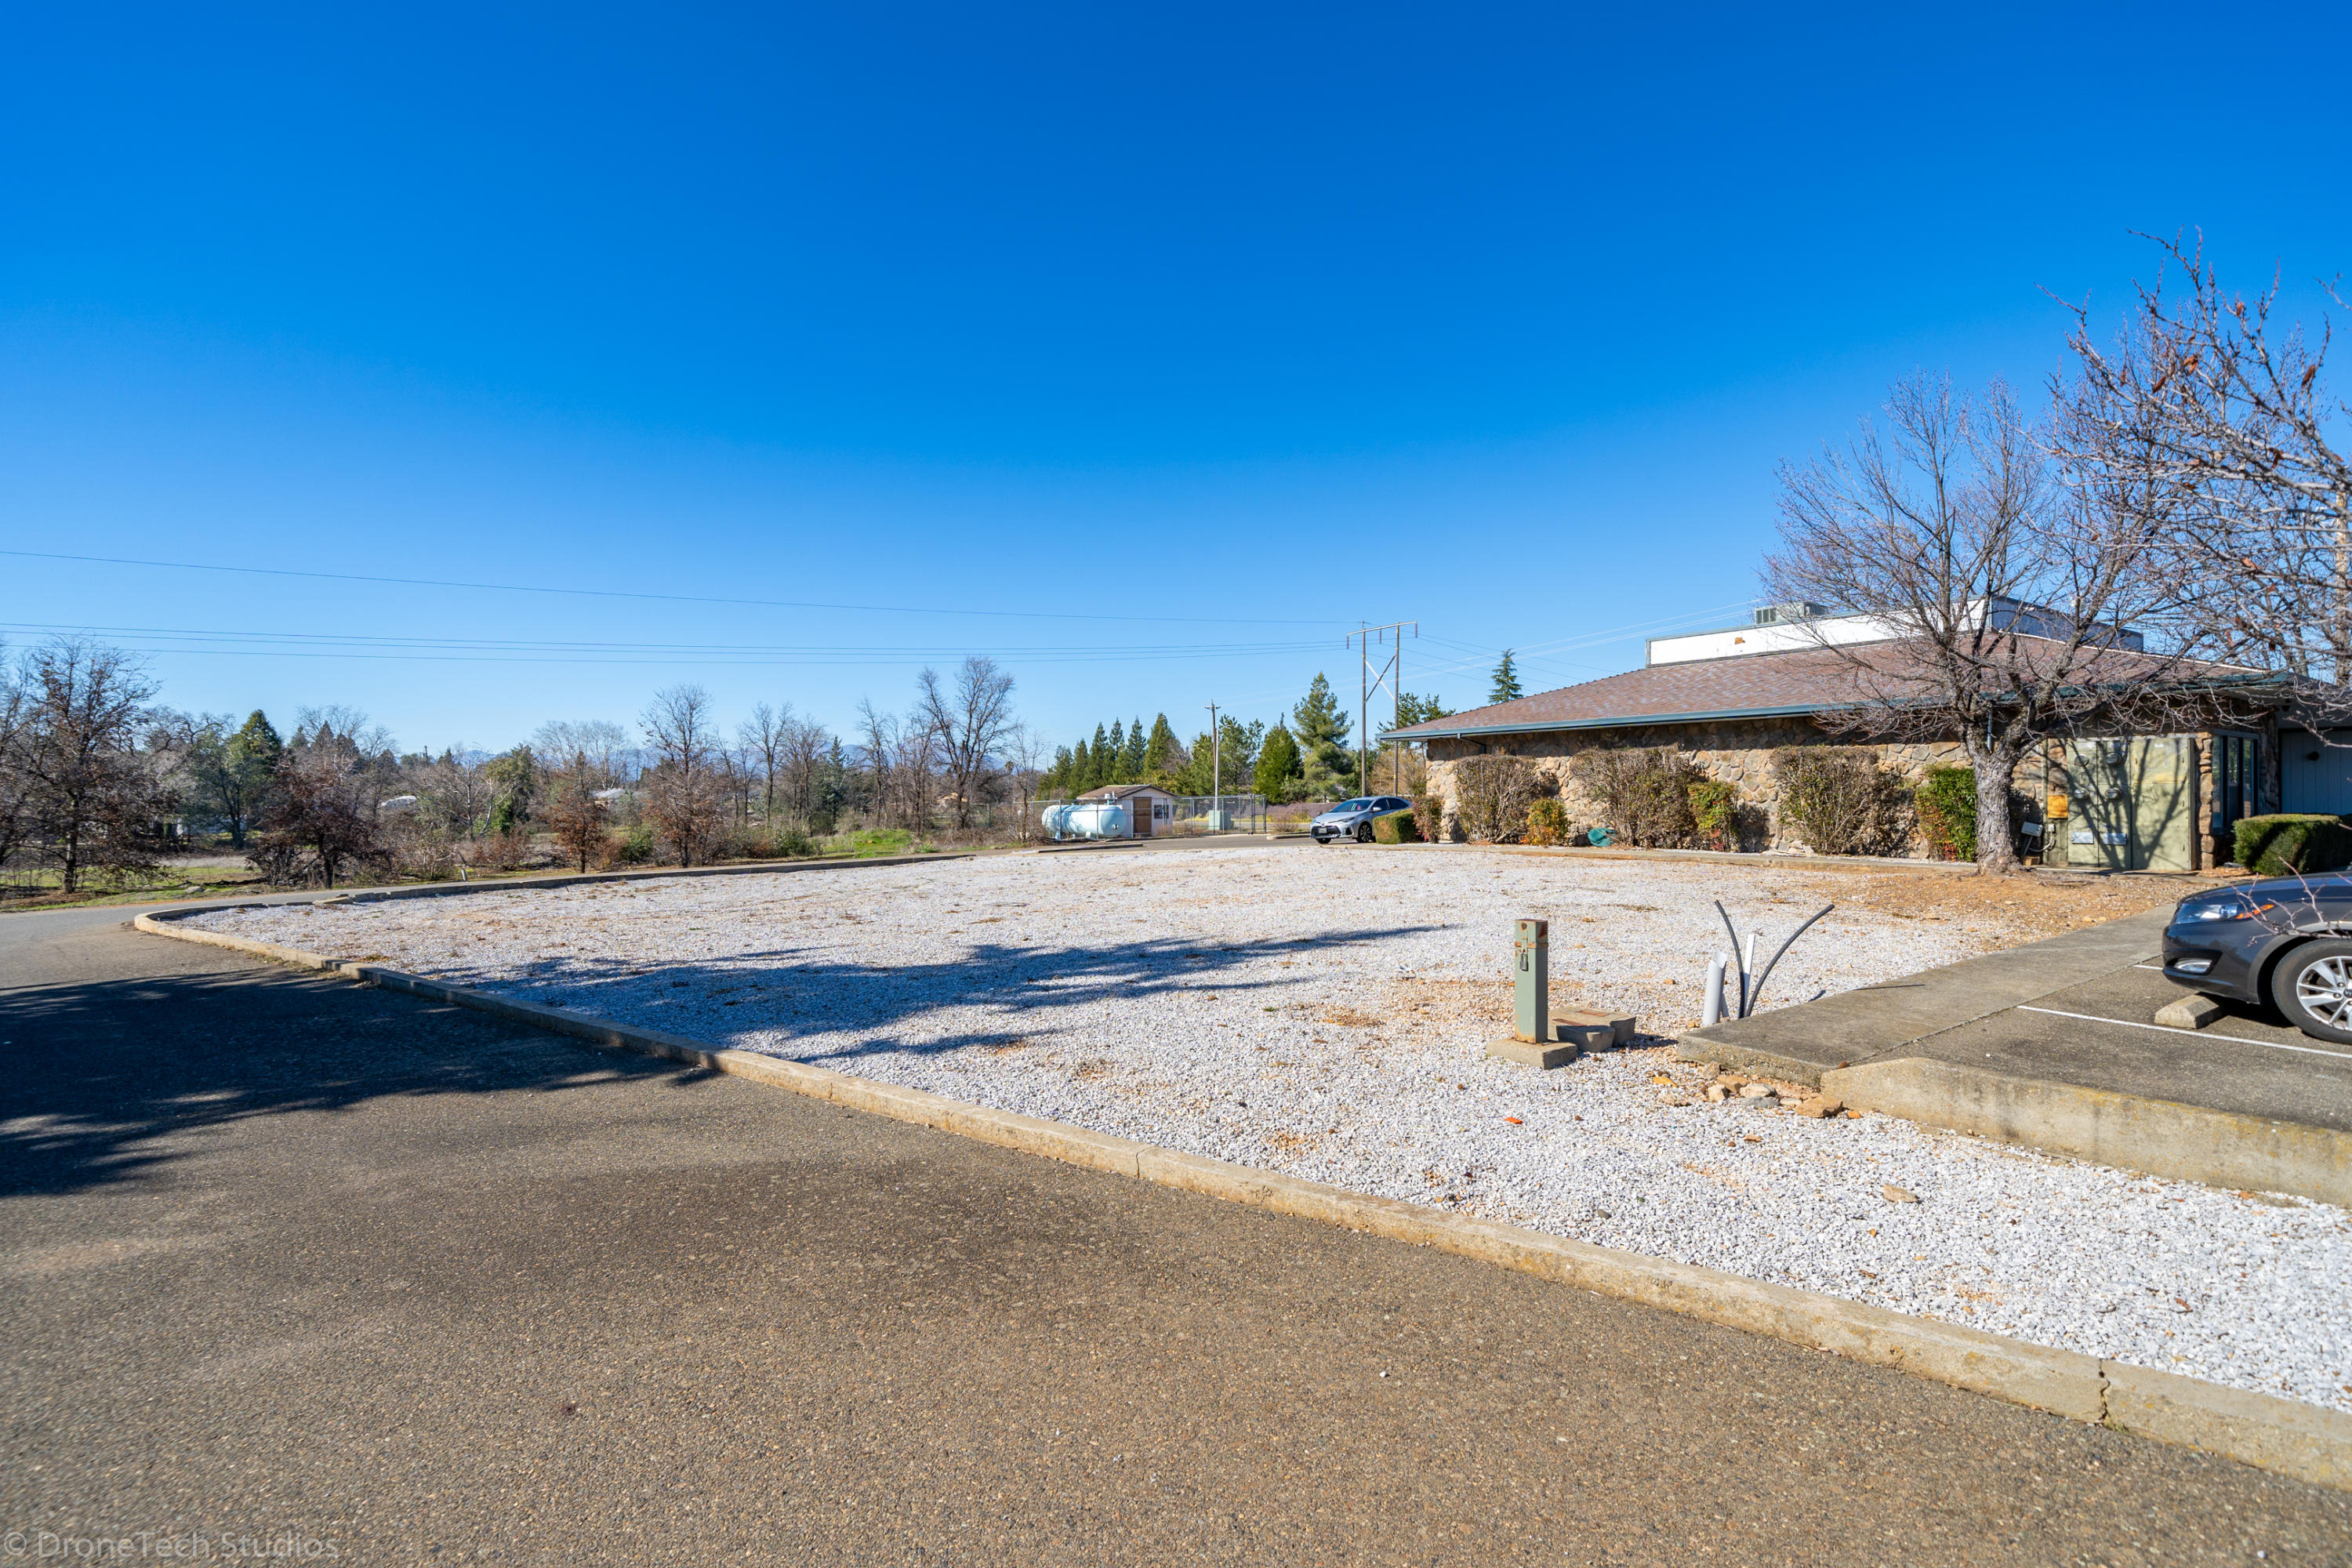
{"points": [[2280, 941]]}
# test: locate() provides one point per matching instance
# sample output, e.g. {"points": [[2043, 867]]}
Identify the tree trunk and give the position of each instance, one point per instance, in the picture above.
{"points": [[1996, 771]]}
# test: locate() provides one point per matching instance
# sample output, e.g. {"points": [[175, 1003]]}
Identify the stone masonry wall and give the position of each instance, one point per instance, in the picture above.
{"points": [[1739, 753]]}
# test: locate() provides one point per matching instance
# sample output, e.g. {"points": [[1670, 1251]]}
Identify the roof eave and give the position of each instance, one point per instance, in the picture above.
{"points": [[1721, 715], [1539, 726]]}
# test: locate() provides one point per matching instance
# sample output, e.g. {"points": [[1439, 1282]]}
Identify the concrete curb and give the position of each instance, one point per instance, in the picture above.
{"points": [[2128, 1131], [2286, 1437]]}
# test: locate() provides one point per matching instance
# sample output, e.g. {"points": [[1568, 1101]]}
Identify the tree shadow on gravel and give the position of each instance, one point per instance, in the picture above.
{"points": [[776, 991], [108, 1081]]}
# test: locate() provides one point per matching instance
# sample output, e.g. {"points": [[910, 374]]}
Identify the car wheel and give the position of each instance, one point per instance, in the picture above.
{"points": [[1363, 833], [2313, 986]]}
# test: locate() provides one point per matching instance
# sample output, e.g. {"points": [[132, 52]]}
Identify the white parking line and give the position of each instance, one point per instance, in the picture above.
{"points": [[2193, 1034]]}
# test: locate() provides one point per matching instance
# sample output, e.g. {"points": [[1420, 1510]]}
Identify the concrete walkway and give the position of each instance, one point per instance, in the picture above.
{"points": [[2055, 1045], [285, 1255]]}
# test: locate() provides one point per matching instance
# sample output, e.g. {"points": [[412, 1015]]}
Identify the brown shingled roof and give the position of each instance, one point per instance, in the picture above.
{"points": [[1757, 685]]}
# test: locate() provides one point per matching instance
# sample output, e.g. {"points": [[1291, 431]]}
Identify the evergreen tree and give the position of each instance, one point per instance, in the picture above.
{"points": [[1413, 709], [257, 743], [1080, 777], [1115, 770], [1159, 752], [1280, 768], [1195, 779], [1058, 777], [1507, 682], [515, 776], [1321, 727], [231, 771], [1240, 744], [1098, 769], [1131, 768]]}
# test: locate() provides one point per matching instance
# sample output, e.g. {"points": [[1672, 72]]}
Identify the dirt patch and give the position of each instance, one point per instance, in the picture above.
{"points": [[2026, 907]]}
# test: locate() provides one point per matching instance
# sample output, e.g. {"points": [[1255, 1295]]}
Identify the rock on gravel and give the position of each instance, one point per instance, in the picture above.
{"points": [[1324, 1013]]}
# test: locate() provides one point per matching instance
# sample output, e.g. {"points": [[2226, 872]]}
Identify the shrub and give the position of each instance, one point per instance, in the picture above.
{"points": [[1842, 801], [1395, 827], [1491, 795], [2292, 842], [1429, 816], [1715, 814], [777, 841], [1546, 821], [632, 846], [1644, 795], [1947, 803]]}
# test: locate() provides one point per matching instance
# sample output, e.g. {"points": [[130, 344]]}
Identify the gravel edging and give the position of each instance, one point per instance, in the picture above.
{"points": [[2286, 1437]]}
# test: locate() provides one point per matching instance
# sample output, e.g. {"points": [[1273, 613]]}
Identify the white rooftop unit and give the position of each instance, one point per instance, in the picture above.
{"points": [[1787, 629]]}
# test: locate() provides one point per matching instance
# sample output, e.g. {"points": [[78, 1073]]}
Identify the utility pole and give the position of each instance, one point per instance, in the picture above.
{"points": [[1216, 762], [1391, 675]]}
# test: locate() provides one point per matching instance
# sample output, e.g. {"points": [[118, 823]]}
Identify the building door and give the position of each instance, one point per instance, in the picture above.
{"points": [[2315, 773], [2132, 803]]}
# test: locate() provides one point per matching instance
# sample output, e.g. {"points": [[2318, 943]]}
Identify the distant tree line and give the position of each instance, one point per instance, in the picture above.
{"points": [[96, 777], [1305, 755]]}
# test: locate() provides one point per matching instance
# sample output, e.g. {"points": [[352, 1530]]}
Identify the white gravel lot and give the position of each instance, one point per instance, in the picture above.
{"points": [[1324, 1012]]}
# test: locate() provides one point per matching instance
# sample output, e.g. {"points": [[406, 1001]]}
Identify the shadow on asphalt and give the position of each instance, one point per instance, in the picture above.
{"points": [[783, 992], [94, 1076]]}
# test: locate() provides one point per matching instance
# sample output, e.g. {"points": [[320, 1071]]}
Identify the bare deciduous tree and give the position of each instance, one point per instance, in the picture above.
{"points": [[597, 745], [2218, 414], [321, 818], [2000, 589], [970, 724], [15, 712], [682, 795], [877, 745], [806, 748], [767, 737], [90, 798], [578, 817]]}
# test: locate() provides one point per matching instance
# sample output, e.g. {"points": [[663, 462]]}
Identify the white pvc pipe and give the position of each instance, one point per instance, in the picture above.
{"points": [[1712, 1004]]}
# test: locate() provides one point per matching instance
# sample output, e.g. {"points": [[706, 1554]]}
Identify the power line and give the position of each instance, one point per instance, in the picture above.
{"points": [[357, 646], [663, 598]]}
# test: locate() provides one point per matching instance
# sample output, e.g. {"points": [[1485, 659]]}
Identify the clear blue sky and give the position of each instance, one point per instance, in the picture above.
{"points": [[1246, 322]]}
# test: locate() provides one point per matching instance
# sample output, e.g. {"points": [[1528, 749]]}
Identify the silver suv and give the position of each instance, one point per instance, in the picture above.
{"points": [[1353, 818]]}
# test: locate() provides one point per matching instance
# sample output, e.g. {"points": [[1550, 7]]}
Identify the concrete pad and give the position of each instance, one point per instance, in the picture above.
{"points": [[1536, 1053], [1855, 1026], [1622, 1027], [2052, 1046], [2193, 1143]]}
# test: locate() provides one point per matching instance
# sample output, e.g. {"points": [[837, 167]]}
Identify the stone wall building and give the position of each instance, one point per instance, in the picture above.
{"points": [[1728, 701]]}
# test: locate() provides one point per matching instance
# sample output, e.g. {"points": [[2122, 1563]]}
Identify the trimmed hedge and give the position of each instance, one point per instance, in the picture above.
{"points": [[2290, 842], [1396, 827], [1947, 804]]}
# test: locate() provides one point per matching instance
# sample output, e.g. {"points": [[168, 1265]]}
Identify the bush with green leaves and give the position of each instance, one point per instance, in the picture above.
{"points": [[1547, 821], [1947, 803], [1644, 794], [2288, 843], [1491, 795], [1395, 827], [1841, 801], [1715, 814]]}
